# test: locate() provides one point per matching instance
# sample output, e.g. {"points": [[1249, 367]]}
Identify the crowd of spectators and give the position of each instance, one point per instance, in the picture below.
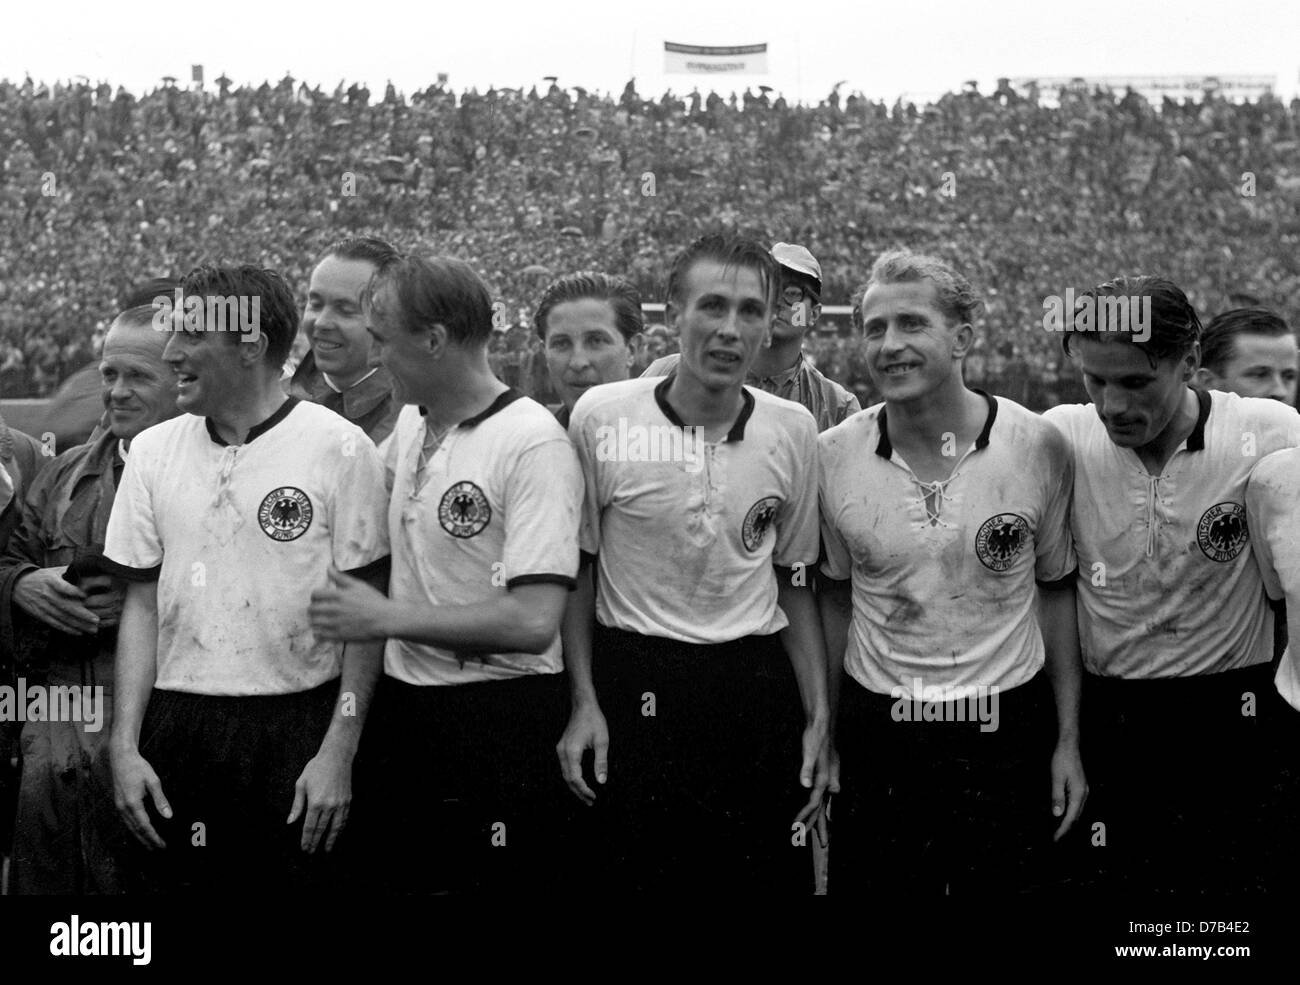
{"points": [[100, 189]]}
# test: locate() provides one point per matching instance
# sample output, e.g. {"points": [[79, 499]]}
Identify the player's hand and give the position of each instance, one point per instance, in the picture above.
{"points": [[104, 598], [1069, 786], [133, 778], [586, 730], [46, 596], [324, 789], [815, 772], [348, 609]]}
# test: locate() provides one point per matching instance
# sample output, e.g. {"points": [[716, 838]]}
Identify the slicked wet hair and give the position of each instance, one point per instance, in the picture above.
{"points": [[367, 249], [1219, 341], [437, 290], [953, 293], [278, 312], [622, 296], [730, 251], [1175, 326]]}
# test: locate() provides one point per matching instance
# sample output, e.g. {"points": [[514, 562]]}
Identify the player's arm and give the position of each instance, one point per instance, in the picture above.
{"points": [[324, 790], [135, 672], [835, 606], [803, 642], [1058, 617], [586, 728]]}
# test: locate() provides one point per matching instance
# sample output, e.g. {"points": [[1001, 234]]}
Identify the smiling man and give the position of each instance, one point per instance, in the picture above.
{"points": [[945, 517], [235, 727], [701, 643], [336, 371], [486, 492], [59, 613], [1174, 624], [1250, 352]]}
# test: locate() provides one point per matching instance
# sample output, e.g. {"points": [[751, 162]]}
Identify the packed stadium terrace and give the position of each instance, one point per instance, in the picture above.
{"points": [[102, 188]]}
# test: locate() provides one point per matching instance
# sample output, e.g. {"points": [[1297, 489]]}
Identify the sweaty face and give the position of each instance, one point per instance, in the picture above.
{"points": [[908, 341], [334, 322], [724, 319], [138, 387], [1262, 366], [1135, 401], [404, 354], [206, 365], [584, 347]]}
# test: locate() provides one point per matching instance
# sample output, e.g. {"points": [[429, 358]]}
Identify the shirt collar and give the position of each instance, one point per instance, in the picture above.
{"points": [[783, 377], [257, 429], [885, 447], [503, 400], [344, 389], [1196, 440], [737, 432]]}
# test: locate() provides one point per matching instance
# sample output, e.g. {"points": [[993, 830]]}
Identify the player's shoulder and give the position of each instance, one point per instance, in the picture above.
{"points": [[169, 434], [786, 412], [1071, 418], [1278, 471], [527, 421], [1254, 411], [599, 401], [1026, 426], [662, 366], [850, 432]]}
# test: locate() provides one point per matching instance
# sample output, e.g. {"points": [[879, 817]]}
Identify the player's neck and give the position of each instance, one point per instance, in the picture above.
{"points": [[1155, 454], [927, 421], [245, 411], [780, 358], [464, 392], [699, 406]]}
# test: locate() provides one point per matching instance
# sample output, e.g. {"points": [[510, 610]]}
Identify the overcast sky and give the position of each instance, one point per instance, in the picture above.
{"points": [[882, 49]]}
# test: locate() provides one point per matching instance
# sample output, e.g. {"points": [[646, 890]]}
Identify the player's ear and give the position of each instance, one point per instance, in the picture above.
{"points": [[963, 339], [1191, 362], [436, 339], [634, 346]]}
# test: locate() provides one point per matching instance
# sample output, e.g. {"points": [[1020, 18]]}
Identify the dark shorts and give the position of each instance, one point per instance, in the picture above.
{"points": [[704, 758], [1185, 777], [228, 766], [461, 790], [944, 806]]}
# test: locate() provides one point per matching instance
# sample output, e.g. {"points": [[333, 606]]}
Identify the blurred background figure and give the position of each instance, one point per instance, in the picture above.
{"points": [[1251, 352], [58, 618], [335, 372], [590, 325]]}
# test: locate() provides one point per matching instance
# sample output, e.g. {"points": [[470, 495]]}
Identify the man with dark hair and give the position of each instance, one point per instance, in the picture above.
{"points": [[781, 367], [945, 519], [701, 643], [59, 613], [590, 324], [486, 493], [1174, 624], [336, 371], [229, 713], [1250, 352]]}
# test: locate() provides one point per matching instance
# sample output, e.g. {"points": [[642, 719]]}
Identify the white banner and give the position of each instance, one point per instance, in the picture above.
{"points": [[690, 59], [1155, 87]]}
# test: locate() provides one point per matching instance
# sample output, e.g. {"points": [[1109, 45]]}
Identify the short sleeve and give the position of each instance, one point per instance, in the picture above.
{"points": [[1267, 522], [580, 433], [796, 524], [133, 545], [544, 495], [1053, 543], [358, 504], [837, 562]]}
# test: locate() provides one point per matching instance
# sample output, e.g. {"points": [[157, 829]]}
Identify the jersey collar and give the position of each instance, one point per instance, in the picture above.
{"points": [[737, 432], [885, 447], [256, 429], [1196, 440], [503, 400]]}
